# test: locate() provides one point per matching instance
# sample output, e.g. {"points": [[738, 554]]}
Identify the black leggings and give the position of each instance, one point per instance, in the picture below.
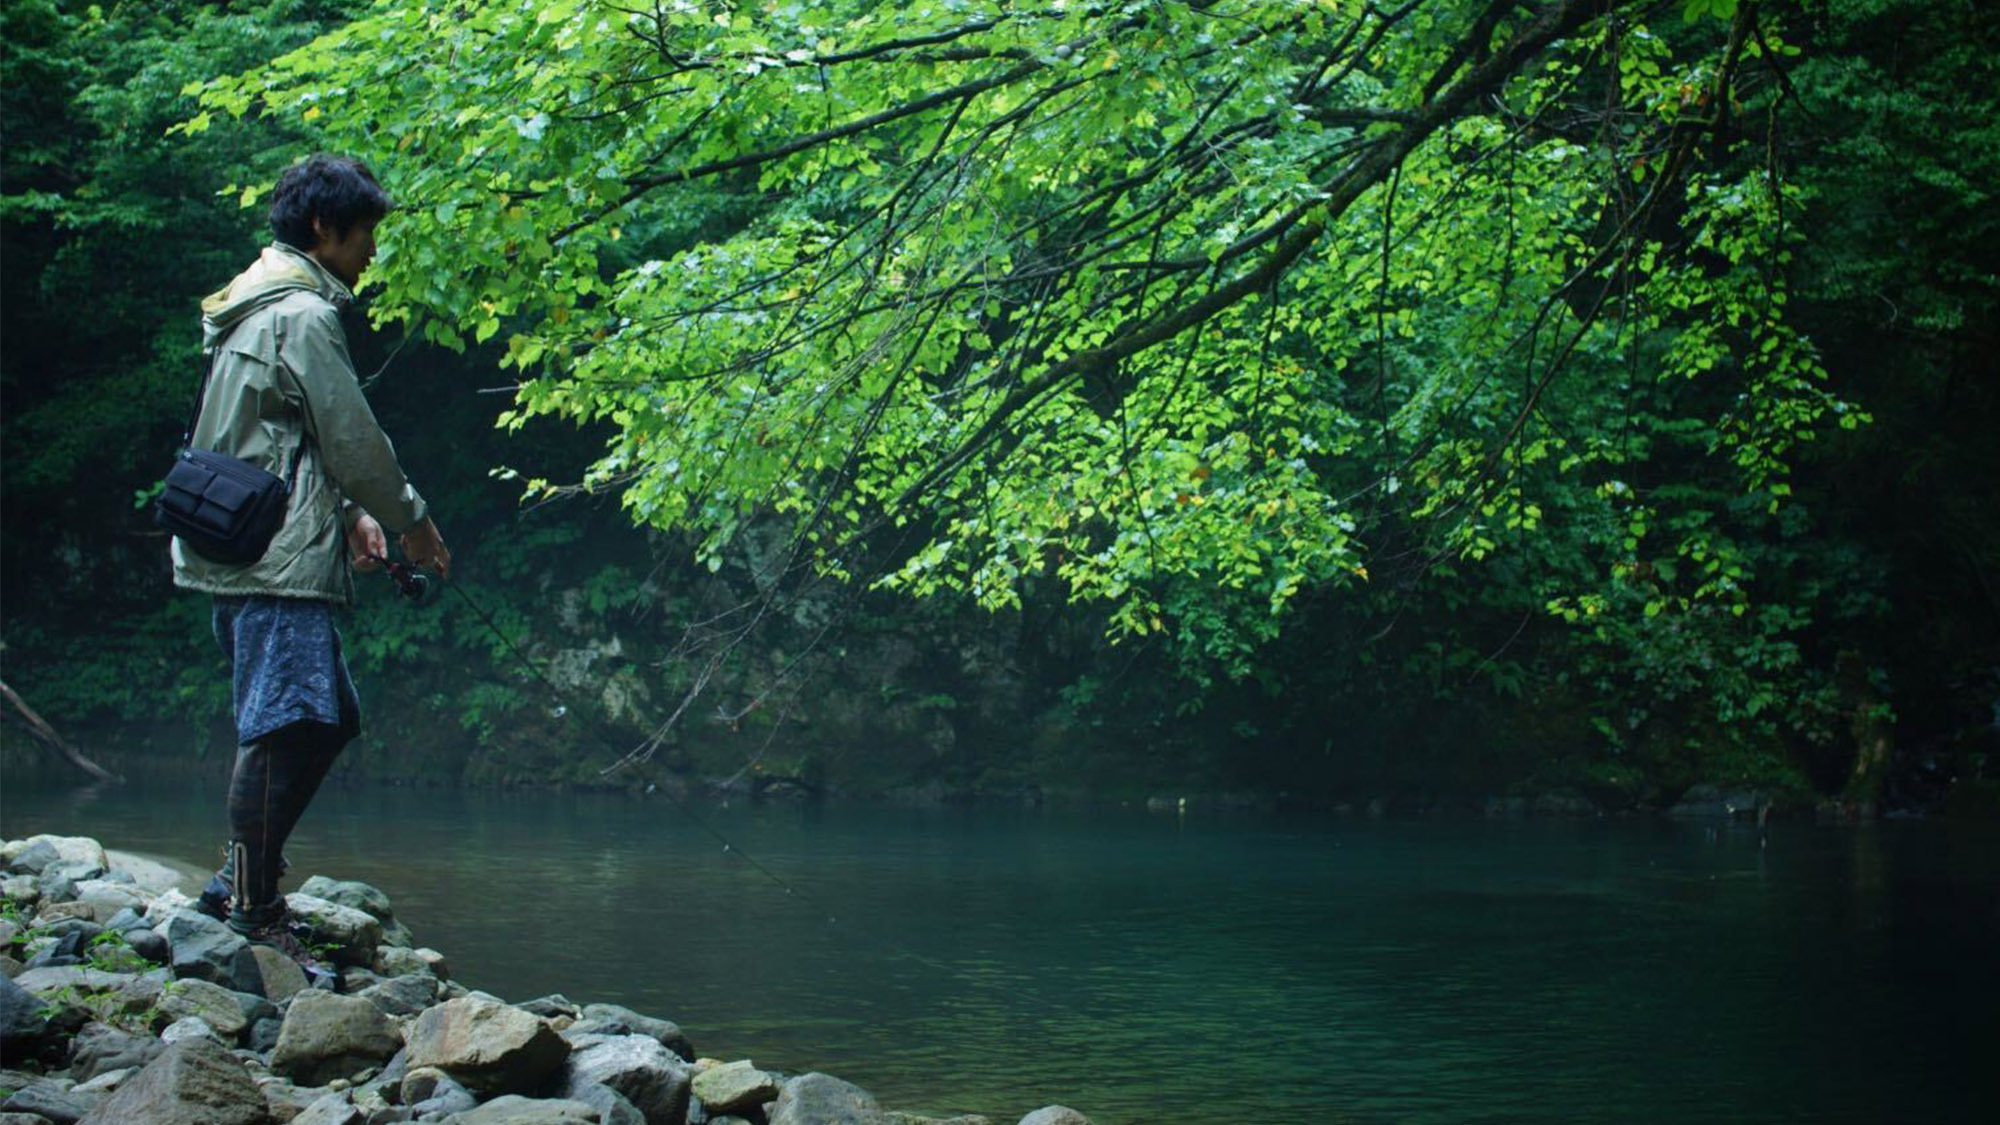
{"points": [[274, 781]]}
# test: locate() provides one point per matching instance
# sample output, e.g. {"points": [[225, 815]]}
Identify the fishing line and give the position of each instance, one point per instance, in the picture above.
{"points": [[413, 583]]}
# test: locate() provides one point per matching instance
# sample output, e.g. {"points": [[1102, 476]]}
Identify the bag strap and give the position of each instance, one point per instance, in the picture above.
{"points": [[201, 398]]}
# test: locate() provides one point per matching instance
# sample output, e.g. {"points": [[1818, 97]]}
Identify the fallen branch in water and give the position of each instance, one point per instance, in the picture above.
{"points": [[47, 733]]}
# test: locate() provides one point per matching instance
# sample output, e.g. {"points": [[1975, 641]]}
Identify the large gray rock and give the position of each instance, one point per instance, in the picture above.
{"points": [[513, 1109], [734, 1087], [279, 977], [352, 934], [1055, 1115], [611, 1106], [611, 1019], [403, 996], [36, 853], [63, 1107], [336, 1108], [193, 1082], [106, 898], [354, 895], [101, 1049], [325, 1036], [189, 1027], [44, 981], [205, 949], [821, 1099], [644, 1073], [212, 1003], [488, 1046], [21, 1018]]}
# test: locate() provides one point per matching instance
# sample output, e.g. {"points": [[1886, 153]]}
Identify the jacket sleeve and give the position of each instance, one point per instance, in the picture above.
{"points": [[351, 443]]}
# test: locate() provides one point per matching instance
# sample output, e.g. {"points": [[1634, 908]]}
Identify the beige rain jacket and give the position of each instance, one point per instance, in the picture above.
{"points": [[282, 376]]}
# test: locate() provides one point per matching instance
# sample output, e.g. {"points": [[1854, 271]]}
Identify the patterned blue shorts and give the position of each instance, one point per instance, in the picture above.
{"points": [[287, 666]]}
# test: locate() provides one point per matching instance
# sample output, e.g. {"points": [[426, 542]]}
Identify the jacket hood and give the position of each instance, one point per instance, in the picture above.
{"points": [[279, 270]]}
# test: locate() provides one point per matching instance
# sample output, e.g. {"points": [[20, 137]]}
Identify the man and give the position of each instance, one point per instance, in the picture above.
{"points": [[281, 379]]}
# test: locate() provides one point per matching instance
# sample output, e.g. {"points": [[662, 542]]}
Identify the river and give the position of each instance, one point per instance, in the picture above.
{"points": [[1154, 969]]}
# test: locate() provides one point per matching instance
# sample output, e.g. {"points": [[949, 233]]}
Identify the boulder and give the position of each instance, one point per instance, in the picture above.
{"points": [[205, 949], [279, 977], [1055, 1115], [100, 1049], [53, 912], [489, 1047], [610, 1019], [51, 1101], [36, 853], [611, 1106], [285, 1101], [149, 875], [105, 898], [169, 903], [21, 1018], [20, 890], [427, 1086], [351, 894], [394, 961], [733, 1087], [212, 1003], [325, 1036], [189, 1027], [193, 1082], [821, 1099], [403, 996], [335, 1108], [149, 945], [639, 1069], [550, 1006], [43, 981], [513, 1109], [353, 934], [264, 1035]]}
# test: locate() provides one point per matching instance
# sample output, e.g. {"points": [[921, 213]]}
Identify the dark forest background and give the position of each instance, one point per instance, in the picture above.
{"points": [[1447, 689]]}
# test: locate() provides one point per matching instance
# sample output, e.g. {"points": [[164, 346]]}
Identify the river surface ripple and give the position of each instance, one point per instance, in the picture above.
{"points": [[1159, 970]]}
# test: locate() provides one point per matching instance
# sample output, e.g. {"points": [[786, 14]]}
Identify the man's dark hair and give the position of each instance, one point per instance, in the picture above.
{"points": [[338, 190]]}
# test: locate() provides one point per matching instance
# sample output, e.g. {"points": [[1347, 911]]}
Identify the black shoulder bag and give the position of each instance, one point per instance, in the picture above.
{"points": [[224, 508]]}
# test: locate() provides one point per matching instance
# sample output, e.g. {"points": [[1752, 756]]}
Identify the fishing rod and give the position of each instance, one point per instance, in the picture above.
{"points": [[418, 587]]}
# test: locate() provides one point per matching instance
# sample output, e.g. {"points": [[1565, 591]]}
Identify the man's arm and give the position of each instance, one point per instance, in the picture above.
{"points": [[351, 442]]}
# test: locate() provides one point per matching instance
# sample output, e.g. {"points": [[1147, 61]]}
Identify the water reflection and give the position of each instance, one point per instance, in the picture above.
{"points": [[1179, 970]]}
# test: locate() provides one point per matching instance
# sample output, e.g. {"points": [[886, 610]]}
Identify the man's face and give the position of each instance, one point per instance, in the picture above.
{"points": [[345, 257]]}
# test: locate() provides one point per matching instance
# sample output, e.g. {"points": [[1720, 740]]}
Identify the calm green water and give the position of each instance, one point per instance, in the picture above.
{"points": [[1146, 969]]}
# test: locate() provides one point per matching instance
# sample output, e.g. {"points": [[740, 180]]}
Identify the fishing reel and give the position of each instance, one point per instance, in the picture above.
{"points": [[411, 582]]}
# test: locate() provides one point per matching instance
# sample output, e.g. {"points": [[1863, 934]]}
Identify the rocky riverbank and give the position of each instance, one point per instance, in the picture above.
{"points": [[122, 1005]]}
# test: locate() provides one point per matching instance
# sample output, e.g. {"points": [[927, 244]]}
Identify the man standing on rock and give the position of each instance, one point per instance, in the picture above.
{"points": [[280, 385]]}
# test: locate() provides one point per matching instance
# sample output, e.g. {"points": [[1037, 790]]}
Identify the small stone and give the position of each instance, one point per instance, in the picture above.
{"points": [[285, 1101], [403, 996], [326, 1037], [105, 1083], [554, 1004], [58, 911], [611, 1106], [165, 905], [212, 1003], [335, 1108], [611, 1019], [101, 1049], [351, 894], [193, 1082], [51, 1101], [1055, 1115], [735, 1086], [513, 1109], [264, 1035], [353, 934], [189, 1027], [205, 949], [394, 961], [278, 975], [149, 945], [435, 962]]}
